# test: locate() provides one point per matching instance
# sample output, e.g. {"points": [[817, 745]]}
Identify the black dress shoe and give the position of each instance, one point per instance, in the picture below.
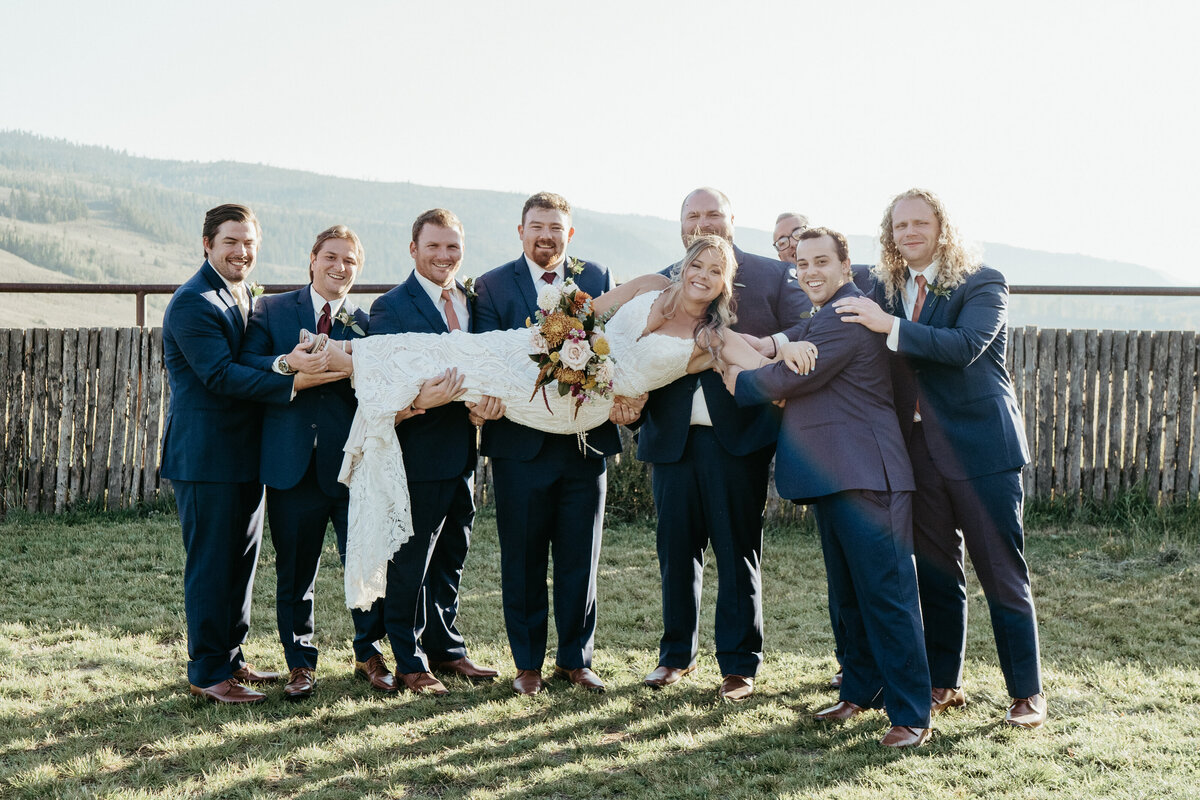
{"points": [[301, 683]]}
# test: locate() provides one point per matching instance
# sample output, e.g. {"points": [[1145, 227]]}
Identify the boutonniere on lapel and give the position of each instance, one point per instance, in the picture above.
{"points": [[469, 288], [939, 290], [575, 265], [812, 312], [347, 319], [256, 289]]}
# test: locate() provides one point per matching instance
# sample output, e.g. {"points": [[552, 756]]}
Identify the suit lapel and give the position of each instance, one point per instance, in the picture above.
{"points": [[524, 283], [233, 314], [306, 317], [423, 304]]}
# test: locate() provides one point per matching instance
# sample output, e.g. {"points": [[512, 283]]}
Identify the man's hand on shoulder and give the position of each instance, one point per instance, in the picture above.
{"points": [[865, 312]]}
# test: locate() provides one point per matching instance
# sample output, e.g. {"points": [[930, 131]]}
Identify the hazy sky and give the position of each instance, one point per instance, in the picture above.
{"points": [[1063, 126]]}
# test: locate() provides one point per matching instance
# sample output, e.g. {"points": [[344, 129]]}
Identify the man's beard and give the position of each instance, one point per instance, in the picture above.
{"points": [[545, 257]]}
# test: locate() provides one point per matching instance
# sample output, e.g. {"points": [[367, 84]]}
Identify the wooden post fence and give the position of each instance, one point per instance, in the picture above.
{"points": [[1105, 412]]}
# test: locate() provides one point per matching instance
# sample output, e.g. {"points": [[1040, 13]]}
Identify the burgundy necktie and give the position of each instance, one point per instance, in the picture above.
{"points": [[325, 323], [549, 277], [452, 322]]}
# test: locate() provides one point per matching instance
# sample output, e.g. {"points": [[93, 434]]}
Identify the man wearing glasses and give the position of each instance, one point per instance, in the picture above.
{"points": [[788, 227]]}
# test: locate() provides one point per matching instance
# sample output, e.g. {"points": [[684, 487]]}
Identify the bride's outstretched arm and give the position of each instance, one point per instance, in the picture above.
{"points": [[629, 290]]}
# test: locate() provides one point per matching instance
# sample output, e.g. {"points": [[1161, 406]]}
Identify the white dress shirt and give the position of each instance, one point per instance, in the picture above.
{"points": [[457, 299]]}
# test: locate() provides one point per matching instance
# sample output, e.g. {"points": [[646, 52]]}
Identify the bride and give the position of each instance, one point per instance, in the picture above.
{"points": [[660, 329]]}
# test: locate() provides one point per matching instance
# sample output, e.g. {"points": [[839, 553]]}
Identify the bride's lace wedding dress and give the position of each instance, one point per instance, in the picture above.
{"points": [[388, 373]]}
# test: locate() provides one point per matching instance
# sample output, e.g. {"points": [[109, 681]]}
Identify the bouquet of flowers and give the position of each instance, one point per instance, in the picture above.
{"points": [[567, 343]]}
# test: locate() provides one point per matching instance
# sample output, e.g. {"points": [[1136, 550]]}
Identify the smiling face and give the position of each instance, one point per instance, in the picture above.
{"points": [[705, 212], [705, 277], [438, 253], [784, 231], [544, 234], [915, 230], [820, 272], [232, 250], [334, 267]]}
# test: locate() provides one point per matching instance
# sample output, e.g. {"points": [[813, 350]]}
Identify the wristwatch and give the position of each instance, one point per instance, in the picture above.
{"points": [[284, 367]]}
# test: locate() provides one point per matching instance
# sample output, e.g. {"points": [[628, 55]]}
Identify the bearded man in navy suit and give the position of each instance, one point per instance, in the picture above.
{"points": [[840, 450], [549, 494], [711, 461], [210, 451], [302, 454], [438, 439], [946, 320]]}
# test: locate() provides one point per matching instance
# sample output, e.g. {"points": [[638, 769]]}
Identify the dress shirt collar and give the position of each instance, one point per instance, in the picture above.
{"points": [[434, 291], [536, 272], [319, 303]]}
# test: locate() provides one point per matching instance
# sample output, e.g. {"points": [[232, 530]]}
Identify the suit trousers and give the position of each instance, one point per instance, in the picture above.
{"points": [[553, 503], [421, 605], [985, 513], [866, 538], [299, 517], [712, 496], [222, 533]]}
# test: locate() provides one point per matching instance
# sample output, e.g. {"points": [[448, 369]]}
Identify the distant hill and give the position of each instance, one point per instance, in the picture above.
{"points": [[96, 214]]}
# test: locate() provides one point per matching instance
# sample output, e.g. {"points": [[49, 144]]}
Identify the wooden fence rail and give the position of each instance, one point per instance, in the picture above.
{"points": [[1105, 411]]}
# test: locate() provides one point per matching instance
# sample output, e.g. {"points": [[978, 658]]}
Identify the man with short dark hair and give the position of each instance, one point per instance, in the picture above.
{"points": [[210, 451], [788, 227], [549, 492], [438, 440], [711, 461]]}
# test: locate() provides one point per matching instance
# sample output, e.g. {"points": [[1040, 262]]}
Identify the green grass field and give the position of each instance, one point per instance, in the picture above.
{"points": [[94, 703]]}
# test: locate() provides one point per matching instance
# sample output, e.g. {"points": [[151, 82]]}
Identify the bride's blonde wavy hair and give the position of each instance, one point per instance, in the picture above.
{"points": [[710, 329]]}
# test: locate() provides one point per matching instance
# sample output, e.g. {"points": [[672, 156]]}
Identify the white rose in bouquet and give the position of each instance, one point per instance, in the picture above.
{"points": [[575, 353], [537, 342], [548, 297]]}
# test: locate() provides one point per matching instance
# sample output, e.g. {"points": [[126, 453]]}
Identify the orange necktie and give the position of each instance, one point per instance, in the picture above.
{"points": [[917, 306], [452, 322]]}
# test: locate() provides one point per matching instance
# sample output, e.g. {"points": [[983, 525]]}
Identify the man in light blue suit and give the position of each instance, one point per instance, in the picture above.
{"points": [[946, 320], [840, 450], [210, 452], [549, 494], [438, 439], [302, 454]]}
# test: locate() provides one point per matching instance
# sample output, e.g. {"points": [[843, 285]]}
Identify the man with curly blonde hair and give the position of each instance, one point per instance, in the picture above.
{"points": [[946, 317]]}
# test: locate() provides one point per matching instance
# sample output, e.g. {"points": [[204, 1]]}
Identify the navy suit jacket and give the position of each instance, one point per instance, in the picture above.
{"points": [[439, 444], [839, 427], [506, 299], [213, 421], [323, 413], [767, 300], [952, 359]]}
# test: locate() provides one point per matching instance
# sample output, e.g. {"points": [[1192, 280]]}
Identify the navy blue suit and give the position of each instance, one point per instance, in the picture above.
{"points": [[840, 450], [210, 455], [710, 484], [421, 604], [549, 496], [967, 453], [303, 493]]}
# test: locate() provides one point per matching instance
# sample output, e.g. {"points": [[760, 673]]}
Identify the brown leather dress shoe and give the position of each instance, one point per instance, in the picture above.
{"points": [[663, 675], [249, 674], [375, 671], [1027, 712], [423, 683], [301, 683], [836, 681], [466, 668], [839, 712], [580, 677], [227, 691], [946, 698], [529, 681], [736, 688], [904, 736]]}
